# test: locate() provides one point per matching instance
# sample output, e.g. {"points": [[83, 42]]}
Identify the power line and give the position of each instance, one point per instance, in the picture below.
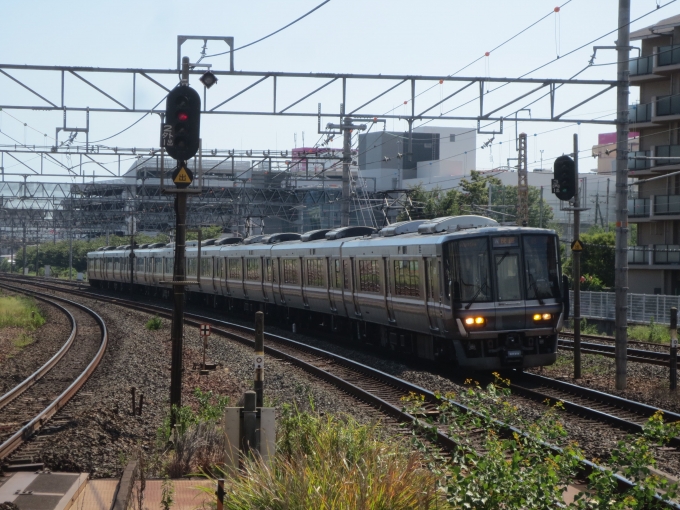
{"points": [[268, 36]]}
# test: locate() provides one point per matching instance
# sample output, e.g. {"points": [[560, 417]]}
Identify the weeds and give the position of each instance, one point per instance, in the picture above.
{"points": [[154, 324], [517, 469], [167, 494], [654, 332], [331, 462], [20, 312], [23, 340]]}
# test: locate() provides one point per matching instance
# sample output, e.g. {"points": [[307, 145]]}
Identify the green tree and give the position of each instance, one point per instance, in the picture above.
{"points": [[597, 257], [206, 233], [472, 197]]}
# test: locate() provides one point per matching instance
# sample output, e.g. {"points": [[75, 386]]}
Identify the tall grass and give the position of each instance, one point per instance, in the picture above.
{"points": [[326, 462], [19, 312]]}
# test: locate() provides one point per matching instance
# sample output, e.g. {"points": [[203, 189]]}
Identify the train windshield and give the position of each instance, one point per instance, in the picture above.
{"points": [[540, 259], [469, 266]]}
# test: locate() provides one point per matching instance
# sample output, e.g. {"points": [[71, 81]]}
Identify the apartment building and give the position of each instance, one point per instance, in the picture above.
{"points": [[654, 264]]}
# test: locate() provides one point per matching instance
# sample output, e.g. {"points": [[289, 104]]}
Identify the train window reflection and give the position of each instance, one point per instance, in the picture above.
{"points": [[540, 257], [469, 262], [507, 275]]}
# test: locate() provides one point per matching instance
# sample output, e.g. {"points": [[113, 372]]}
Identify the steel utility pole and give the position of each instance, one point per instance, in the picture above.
{"points": [[621, 260], [346, 128], [522, 183], [576, 269]]}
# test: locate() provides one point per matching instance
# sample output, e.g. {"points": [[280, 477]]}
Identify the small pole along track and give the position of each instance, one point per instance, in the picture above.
{"points": [[374, 387], [25, 432]]}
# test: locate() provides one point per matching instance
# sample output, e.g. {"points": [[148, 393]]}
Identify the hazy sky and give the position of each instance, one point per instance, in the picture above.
{"points": [[429, 37]]}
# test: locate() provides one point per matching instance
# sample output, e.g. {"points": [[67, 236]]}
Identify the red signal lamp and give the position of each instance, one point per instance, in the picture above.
{"points": [[182, 116]]}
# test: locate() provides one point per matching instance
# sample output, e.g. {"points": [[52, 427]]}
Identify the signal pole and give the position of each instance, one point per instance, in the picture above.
{"points": [[181, 138], [576, 269], [621, 254], [522, 183]]}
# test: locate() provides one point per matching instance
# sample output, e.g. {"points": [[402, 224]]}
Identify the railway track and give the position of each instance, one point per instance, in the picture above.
{"points": [[27, 407], [385, 392], [591, 404], [608, 350]]}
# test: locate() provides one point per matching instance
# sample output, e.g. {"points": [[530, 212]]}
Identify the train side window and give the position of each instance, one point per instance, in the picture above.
{"points": [[220, 268], [314, 272], [369, 276], [253, 269], [406, 278], [290, 271], [207, 267], [168, 264], [234, 268], [158, 265]]}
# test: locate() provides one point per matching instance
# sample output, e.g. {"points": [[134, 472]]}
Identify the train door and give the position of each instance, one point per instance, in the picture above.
{"points": [[266, 277], [388, 291], [276, 266], [433, 294], [333, 271], [353, 287], [303, 281]]}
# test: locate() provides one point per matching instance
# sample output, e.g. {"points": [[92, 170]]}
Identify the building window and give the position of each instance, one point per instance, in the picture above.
{"points": [[314, 272], [452, 138], [290, 271], [234, 269], [206, 267], [369, 276], [406, 278], [253, 269]]}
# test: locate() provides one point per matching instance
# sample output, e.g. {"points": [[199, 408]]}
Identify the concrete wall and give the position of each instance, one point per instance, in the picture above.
{"points": [[645, 281]]}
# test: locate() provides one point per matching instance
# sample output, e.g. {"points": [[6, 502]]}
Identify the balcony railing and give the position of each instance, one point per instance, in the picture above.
{"points": [[670, 151], [640, 66], [640, 113], [666, 254], [668, 55], [638, 207], [666, 204], [638, 164], [638, 255], [669, 105]]}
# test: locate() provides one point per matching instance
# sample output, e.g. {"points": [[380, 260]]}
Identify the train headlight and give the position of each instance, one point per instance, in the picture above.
{"points": [[538, 317], [475, 321]]}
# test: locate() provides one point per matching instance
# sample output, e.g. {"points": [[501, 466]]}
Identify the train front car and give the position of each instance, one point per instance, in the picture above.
{"points": [[506, 295]]}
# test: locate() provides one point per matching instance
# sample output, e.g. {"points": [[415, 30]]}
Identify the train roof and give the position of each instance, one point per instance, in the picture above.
{"points": [[436, 231]]}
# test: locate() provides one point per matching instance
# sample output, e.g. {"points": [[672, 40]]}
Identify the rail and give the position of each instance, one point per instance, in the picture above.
{"points": [[25, 433]]}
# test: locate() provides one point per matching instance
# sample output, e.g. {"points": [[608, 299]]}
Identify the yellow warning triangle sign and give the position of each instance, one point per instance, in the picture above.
{"points": [[576, 246], [182, 177]]}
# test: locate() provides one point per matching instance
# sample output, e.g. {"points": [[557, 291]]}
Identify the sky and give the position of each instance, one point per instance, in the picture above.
{"points": [[429, 37]]}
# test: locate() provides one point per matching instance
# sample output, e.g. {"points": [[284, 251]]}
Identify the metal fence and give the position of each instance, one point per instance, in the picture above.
{"points": [[642, 308]]}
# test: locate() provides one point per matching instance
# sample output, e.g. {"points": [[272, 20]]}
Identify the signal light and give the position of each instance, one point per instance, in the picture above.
{"points": [[564, 183], [182, 128]]}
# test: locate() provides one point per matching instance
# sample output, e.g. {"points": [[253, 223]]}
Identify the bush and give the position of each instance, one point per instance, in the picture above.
{"points": [[154, 323], [534, 476], [332, 462]]}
